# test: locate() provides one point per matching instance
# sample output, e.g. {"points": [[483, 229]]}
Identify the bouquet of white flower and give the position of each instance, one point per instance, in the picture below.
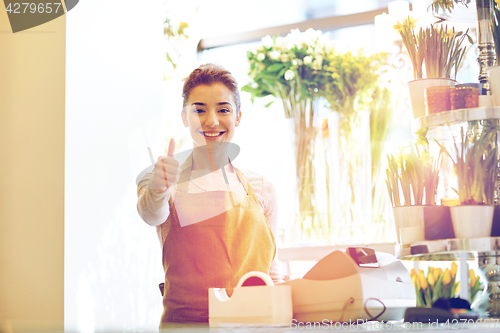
{"points": [[292, 66], [298, 69]]}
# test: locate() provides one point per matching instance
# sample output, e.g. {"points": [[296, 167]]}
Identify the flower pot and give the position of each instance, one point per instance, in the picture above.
{"points": [[495, 229], [409, 224], [417, 93], [494, 81], [437, 223], [472, 221], [418, 223]]}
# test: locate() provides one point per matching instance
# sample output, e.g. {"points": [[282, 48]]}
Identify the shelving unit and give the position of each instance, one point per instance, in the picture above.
{"points": [[443, 127]]}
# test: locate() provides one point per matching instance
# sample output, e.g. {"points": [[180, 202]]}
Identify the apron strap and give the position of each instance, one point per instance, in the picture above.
{"points": [[244, 181]]}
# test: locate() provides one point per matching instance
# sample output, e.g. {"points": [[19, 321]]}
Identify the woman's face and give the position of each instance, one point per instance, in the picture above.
{"points": [[210, 113]]}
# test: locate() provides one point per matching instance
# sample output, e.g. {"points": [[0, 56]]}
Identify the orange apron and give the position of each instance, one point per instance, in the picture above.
{"points": [[213, 253]]}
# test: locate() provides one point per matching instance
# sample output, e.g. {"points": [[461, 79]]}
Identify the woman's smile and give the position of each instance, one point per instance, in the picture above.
{"points": [[212, 135]]}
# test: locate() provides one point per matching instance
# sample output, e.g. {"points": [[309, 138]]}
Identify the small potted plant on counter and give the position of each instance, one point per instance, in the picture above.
{"points": [[415, 174], [474, 163], [438, 50]]}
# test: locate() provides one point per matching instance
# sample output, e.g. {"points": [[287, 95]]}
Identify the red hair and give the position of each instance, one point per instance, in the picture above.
{"points": [[207, 75]]}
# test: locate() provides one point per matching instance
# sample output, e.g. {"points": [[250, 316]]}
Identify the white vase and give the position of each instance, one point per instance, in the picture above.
{"points": [[409, 224], [472, 221], [417, 93], [494, 81]]}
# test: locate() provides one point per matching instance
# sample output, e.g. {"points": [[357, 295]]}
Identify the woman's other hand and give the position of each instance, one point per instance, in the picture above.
{"points": [[166, 172]]}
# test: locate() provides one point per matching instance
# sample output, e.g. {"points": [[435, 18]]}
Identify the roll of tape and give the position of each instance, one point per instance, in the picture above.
{"points": [[257, 276]]}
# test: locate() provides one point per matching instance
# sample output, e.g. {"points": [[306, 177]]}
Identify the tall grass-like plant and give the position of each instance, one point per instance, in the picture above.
{"points": [[475, 163], [437, 49], [415, 174]]}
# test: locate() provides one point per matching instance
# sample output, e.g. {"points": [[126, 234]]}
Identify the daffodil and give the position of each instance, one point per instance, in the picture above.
{"points": [[450, 33], [398, 26], [411, 22]]}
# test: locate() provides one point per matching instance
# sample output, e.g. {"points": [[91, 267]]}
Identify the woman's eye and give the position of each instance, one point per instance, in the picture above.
{"points": [[199, 111], [224, 110]]}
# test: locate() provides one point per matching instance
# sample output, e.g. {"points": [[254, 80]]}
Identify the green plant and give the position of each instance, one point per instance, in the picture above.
{"points": [[298, 69], [474, 163], [441, 284], [414, 174], [381, 115], [447, 5], [438, 48]]}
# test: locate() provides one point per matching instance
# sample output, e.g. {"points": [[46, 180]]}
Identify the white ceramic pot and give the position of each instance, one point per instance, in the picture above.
{"points": [[494, 81], [472, 221], [409, 224], [417, 93]]}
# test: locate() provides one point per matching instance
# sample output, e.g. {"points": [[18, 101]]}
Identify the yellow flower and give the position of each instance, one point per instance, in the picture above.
{"points": [[472, 277], [398, 26], [447, 3], [410, 22], [437, 272], [423, 280], [450, 34], [413, 272], [446, 277], [426, 158], [430, 279], [453, 269], [414, 279]]}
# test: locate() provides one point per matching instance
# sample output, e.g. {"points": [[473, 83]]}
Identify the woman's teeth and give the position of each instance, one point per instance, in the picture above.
{"points": [[212, 134]]}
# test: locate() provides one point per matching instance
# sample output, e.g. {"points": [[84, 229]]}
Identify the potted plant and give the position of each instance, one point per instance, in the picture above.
{"points": [[475, 163], [436, 49], [494, 72], [415, 174]]}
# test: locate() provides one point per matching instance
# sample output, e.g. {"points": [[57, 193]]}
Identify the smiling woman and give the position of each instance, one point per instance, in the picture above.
{"points": [[219, 227]]}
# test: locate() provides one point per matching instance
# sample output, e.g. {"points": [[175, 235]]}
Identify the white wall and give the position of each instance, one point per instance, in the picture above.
{"points": [[113, 85]]}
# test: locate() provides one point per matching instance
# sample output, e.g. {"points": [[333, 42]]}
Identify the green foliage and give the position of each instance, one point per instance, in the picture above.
{"points": [[474, 162], [439, 49], [414, 173], [307, 65]]}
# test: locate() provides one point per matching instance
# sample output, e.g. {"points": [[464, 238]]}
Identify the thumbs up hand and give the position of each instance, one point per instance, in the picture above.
{"points": [[166, 172]]}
